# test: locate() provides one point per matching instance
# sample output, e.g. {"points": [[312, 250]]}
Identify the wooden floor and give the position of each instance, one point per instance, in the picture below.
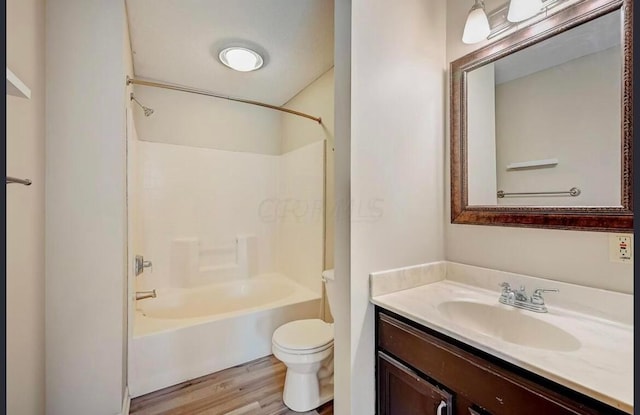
{"points": [[254, 388]]}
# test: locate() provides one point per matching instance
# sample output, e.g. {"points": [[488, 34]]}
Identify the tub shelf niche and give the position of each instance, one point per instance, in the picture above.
{"points": [[193, 265]]}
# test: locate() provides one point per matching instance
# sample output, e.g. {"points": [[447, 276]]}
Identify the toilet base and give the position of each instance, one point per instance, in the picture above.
{"points": [[298, 398], [326, 394], [305, 391]]}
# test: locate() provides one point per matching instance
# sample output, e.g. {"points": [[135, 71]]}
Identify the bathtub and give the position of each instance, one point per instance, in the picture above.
{"points": [[186, 333]]}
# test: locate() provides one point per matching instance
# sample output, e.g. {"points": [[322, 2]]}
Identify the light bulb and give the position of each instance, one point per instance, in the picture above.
{"points": [[520, 10], [476, 28], [241, 59]]}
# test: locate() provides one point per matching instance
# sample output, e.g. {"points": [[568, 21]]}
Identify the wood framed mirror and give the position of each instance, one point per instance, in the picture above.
{"points": [[541, 124]]}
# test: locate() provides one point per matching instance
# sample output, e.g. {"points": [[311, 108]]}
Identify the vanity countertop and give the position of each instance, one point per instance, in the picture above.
{"points": [[601, 367]]}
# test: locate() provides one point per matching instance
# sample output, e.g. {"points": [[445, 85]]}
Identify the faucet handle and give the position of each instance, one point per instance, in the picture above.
{"points": [[536, 298], [140, 264], [539, 291], [505, 286]]}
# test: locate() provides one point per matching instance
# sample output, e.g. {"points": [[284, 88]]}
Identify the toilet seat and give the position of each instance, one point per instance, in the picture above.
{"points": [[302, 351], [304, 336]]}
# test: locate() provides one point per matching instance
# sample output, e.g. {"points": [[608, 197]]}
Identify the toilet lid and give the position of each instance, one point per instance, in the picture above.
{"points": [[303, 334]]}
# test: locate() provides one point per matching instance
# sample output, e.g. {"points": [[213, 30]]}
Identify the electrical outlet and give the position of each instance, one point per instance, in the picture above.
{"points": [[621, 248]]}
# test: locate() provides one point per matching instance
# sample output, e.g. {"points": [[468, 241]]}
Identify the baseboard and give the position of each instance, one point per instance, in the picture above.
{"points": [[126, 401]]}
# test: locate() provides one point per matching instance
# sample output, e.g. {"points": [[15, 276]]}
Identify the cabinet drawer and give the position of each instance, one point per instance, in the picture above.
{"points": [[493, 388]]}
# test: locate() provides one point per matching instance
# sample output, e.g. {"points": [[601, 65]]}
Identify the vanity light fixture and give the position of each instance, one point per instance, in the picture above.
{"points": [[481, 25], [476, 28], [241, 59], [520, 10]]}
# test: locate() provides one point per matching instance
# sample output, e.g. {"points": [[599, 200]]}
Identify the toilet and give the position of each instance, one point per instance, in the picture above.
{"points": [[306, 348]]}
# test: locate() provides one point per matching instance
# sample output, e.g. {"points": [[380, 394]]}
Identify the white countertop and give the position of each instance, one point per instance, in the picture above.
{"points": [[602, 367]]}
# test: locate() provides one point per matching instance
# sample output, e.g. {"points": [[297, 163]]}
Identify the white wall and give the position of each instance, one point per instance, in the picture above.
{"points": [[134, 224], [538, 117], [135, 235], [25, 119], [342, 221], [397, 116], [569, 256], [201, 121], [85, 207]]}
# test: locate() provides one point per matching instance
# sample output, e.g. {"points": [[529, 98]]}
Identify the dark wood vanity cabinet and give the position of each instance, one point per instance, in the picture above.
{"points": [[422, 372], [405, 392]]}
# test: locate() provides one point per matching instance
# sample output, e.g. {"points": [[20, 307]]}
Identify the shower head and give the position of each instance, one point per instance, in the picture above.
{"points": [[147, 111]]}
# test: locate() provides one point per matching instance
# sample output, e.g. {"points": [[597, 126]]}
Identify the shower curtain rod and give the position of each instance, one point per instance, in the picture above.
{"points": [[211, 94]]}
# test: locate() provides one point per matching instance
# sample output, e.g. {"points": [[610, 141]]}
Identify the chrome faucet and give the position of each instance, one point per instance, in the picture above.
{"points": [[141, 295], [519, 298]]}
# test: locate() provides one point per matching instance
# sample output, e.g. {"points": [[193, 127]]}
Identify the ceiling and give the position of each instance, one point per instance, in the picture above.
{"points": [[178, 41], [597, 35]]}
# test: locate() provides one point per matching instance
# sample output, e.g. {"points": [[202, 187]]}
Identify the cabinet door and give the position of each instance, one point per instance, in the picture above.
{"points": [[402, 392]]}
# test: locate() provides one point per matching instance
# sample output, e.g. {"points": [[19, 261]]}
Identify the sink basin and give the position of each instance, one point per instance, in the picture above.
{"points": [[510, 325]]}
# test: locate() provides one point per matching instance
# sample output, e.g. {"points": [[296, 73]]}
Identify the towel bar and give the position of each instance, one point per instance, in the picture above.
{"points": [[574, 191]]}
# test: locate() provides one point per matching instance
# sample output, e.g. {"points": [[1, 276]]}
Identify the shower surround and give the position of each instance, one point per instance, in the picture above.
{"points": [[236, 241], [214, 196]]}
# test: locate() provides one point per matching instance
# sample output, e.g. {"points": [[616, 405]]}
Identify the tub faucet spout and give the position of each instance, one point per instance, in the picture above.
{"points": [[141, 295]]}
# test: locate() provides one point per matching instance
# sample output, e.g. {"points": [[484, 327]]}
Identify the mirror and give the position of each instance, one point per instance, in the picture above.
{"points": [[540, 127]]}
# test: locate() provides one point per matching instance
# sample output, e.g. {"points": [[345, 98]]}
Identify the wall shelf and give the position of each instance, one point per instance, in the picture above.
{"points": [[532, 164], [16, 87]]}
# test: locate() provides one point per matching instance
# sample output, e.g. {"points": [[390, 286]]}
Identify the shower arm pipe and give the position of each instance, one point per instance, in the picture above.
{"points": [[211, 94]]}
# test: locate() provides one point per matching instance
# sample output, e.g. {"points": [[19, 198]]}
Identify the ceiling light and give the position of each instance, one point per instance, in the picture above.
{"points": [[476, 29], [241, 59], [520, 10]]}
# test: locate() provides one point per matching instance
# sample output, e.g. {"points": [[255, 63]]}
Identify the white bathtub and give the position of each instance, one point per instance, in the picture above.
{"points": [[186, 333]]}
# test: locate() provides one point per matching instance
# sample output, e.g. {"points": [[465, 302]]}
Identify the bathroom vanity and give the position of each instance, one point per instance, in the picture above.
{"points": [[421, 371], [446, 345]]}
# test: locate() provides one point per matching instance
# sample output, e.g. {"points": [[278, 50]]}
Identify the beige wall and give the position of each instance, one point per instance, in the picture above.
{"points": [[538, 117], [201, 121], [25, 211], [316, 99], [569, 256], [397, 153], [86, 207]]}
